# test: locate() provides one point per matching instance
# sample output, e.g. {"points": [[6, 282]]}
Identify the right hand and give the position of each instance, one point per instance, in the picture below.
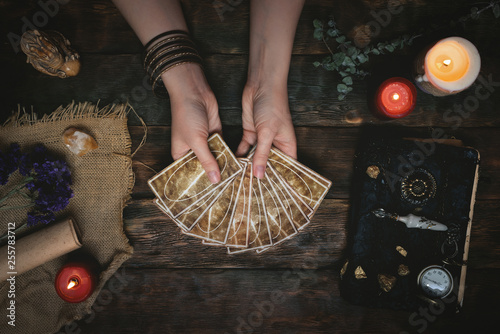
{"points": [[195, 115]]}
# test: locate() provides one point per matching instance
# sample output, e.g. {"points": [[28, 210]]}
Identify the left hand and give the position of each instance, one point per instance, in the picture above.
{"points": [[266, 122]]}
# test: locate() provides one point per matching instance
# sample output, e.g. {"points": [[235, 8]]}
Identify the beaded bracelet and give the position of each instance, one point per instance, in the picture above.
{"points": [[165, 51]]}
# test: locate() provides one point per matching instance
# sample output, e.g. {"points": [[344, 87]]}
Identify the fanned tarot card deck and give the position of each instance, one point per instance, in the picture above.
{"points": [[241, 212]]}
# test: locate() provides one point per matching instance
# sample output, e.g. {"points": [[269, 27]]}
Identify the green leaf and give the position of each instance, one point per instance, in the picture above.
{"points": [[362, 58], [389, 48], [318, 34], [342, 88], [326, 60], [316, 63], [340, 39], [347, 81], [375, 51], [474, 12], [341, 97], [347, 62], [331, 23], [338, 58], [496, 11], [351, 51], [332, 32], [330, 67], [318, 24]]}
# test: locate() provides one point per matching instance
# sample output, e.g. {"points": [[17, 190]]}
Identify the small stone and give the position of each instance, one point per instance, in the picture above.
{"points": [[359, 273], [401, 251], [403, 270], [78, 141], [386, 282], [373, 171]]}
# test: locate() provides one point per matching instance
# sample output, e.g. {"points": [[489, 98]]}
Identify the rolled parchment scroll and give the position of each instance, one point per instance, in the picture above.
{"points": [[38, 248]]}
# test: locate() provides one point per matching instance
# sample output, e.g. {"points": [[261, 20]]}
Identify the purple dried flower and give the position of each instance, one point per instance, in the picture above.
{"points": [[35, 217], [47, 179]]}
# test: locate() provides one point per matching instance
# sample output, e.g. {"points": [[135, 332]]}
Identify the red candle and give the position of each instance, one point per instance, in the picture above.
{"points": [[75, 282], [396, 98]]}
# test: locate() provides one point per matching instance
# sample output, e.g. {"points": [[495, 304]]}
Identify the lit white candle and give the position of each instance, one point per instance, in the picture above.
{"points": [[448, 67]]}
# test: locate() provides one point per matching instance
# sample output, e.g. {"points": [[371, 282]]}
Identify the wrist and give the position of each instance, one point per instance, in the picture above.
{"points": [[185, 78], [268, 65]]}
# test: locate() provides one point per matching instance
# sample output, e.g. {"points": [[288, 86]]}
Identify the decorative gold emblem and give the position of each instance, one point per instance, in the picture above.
{"points": [[418, 187]]}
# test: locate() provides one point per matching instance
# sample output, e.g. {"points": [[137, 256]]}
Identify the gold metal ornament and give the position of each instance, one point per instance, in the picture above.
{"points": [[373, 171], [401, 251], [403, 270], [359, 273], [49, 52], [344, 268], [386, 282]]}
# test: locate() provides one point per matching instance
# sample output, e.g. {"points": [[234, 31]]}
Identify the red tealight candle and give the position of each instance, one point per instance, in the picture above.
{"points": [[75, 282], [396, 98]]}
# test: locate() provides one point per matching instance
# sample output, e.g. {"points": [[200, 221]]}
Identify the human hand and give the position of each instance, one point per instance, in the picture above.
{"points": [[195, 115], [266, 122]]}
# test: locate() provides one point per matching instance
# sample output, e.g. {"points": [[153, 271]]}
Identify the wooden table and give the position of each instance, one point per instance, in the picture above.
{"points": [[173, 284]]}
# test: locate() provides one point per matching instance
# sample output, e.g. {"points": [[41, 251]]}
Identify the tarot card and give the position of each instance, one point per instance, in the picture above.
{"points": [[309, 185], [259, 234], [184, 182], [208, 243], [280, 224], [189, 218], [297, 210], [238, 228], [213, 225]]}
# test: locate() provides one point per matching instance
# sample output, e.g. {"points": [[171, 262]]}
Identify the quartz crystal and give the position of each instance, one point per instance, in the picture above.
{"points": [[78, 141]]}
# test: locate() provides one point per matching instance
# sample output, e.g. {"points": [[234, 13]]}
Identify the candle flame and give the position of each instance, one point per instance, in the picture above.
{"points": [[447, 62], [395, 96], [72, 283]]}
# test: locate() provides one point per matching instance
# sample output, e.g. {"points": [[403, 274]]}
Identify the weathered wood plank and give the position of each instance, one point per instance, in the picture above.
{"points": [[257, 301], [221, 26], [329, 151], [158, 242], [312, 92]]}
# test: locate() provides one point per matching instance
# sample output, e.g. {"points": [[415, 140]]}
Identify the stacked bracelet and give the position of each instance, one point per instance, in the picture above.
{"points": [[165, 51]]}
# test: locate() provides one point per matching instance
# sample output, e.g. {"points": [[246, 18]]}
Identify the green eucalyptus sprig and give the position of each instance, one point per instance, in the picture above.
{"points": [[475, 12], [348, 59]]}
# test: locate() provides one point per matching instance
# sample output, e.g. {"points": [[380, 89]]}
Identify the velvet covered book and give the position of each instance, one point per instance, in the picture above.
{"points": [[411, 217]]}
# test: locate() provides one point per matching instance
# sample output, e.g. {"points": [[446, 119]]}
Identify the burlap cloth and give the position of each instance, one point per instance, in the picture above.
{"points": [[102, 182]]}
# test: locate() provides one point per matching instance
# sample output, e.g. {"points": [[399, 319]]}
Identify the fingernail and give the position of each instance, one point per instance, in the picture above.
{"points": [[213, 177], [259, 172]]}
